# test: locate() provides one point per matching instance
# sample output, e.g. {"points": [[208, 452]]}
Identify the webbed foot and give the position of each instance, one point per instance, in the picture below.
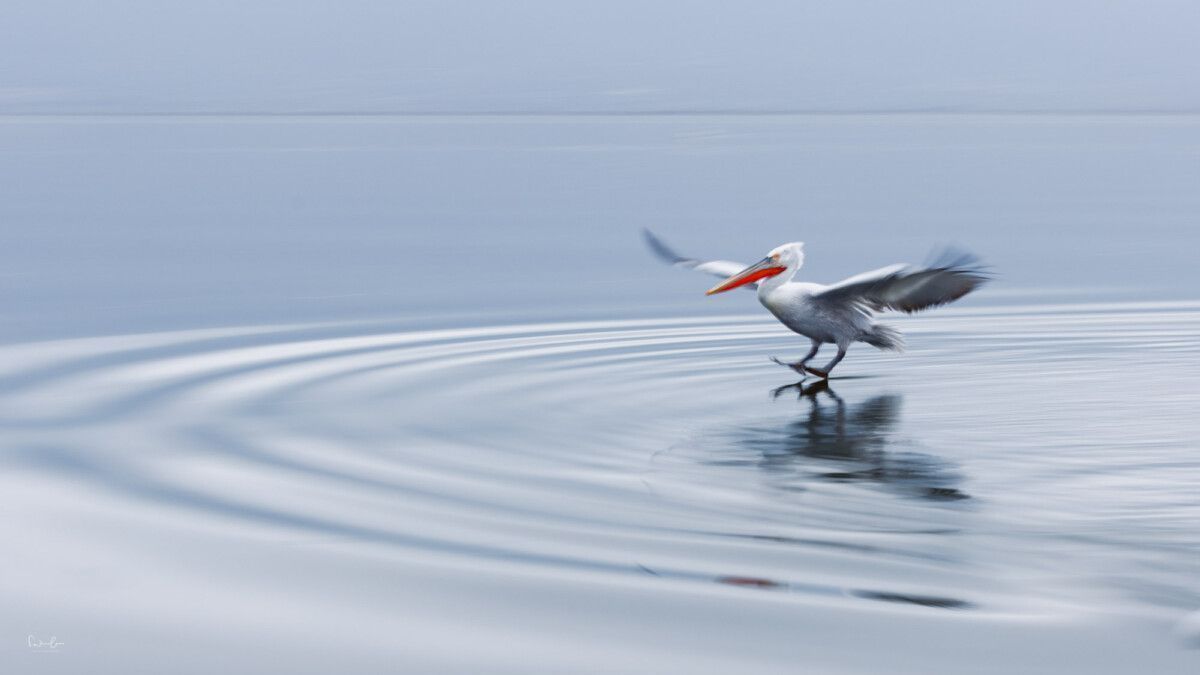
{"points": [[798, 366]]}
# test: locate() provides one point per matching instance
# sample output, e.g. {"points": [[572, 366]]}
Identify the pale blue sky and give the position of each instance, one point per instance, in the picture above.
{"points": [[550, 55]]}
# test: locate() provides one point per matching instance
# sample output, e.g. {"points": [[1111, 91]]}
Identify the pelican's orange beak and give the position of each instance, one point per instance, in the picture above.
{"points": [[767, 267]]}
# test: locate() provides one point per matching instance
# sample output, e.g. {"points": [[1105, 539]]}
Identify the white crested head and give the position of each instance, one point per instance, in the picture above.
{"points": [[790, 255]]}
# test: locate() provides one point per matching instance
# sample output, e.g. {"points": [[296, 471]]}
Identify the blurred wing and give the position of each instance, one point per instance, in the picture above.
{"points": [[717, 268], [906, 288]]}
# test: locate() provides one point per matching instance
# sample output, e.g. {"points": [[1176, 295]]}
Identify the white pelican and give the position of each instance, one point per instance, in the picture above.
{"points": [[841, 313]]}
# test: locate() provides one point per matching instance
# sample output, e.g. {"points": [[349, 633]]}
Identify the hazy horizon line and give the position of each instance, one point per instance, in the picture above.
{"points": [[666, 112]]}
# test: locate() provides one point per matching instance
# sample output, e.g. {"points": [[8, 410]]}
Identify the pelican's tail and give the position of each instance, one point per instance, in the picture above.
{"points": [[884, 337]]}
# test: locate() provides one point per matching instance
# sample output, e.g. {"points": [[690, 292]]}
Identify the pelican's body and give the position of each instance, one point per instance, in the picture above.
{"points": [[840, 313], [796, 306]]}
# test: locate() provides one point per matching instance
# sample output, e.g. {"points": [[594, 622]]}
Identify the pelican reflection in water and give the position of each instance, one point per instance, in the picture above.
{"points": [[834, 441]]}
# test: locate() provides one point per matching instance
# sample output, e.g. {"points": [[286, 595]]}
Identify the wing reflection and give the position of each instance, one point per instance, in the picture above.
{"points": [[837, 442]]}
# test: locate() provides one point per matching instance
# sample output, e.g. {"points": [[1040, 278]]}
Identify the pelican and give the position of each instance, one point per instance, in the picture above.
{"points": [[840, 313]]}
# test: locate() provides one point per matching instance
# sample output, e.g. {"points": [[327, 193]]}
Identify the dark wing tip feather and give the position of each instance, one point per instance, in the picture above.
{"points": [[660, 249], [960, 262]]}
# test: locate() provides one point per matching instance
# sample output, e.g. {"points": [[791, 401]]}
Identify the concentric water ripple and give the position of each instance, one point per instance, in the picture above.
{"points": [[1009, 468]]}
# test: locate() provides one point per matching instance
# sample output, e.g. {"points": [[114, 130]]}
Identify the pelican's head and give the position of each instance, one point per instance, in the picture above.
{"points": [[785, 258]]}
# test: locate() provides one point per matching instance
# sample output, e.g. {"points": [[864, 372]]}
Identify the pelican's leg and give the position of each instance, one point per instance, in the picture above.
{"points": [[816, 346], [824, 373], [799, 366]]}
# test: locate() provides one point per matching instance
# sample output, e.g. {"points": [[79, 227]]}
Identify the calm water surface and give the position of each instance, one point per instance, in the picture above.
{"points": [[275, 401]]}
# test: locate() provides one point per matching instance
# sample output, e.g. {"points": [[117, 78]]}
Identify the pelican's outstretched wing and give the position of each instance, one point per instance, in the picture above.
{"points": [[907, 288], [718, 268]]}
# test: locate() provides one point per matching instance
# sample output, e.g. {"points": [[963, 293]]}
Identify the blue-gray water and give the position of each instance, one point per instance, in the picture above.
{"points": [[368, 394]]}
